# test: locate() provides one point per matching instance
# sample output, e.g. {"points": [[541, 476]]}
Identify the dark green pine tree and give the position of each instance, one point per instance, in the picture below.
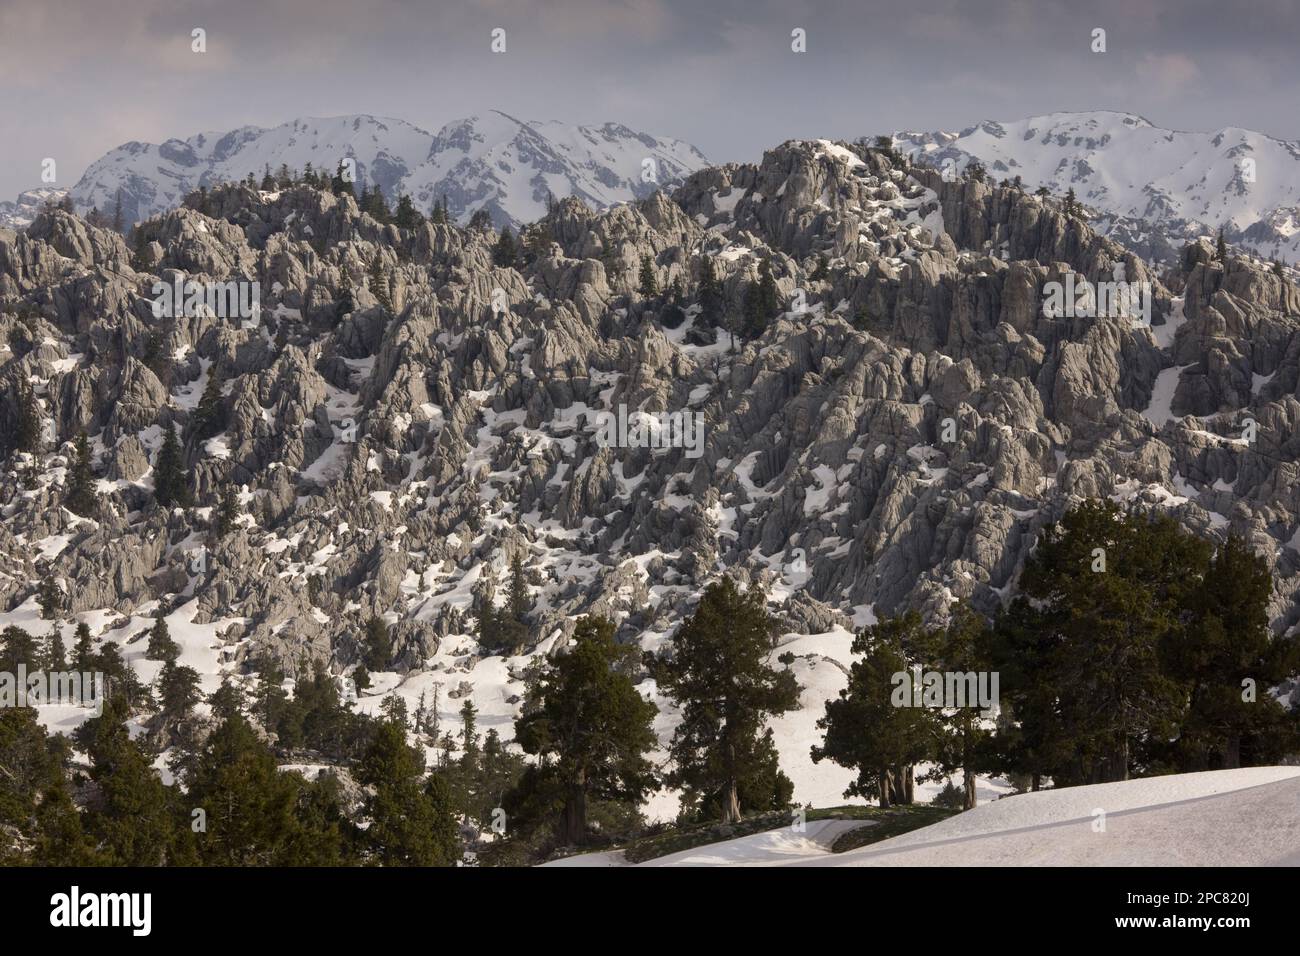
{"points": [[406, 216], [178, 691], [81, 497], [866, 729], [171, 488], [438, 214], [1228, 658], [379, 284], [377, 645], [161, 647], [647, 283], [255, 814], [410, 822], [51, 598], [56, 655], [133, 818], [710, 295], [209, 415], [268, 181], [140, 250], [83, 649], [725, 760], [1221, 247], [17, 647], [341, 184], [965, 741], [512, 622], [761, 303], [344, 303], [591, 728], [485, 610], [1111, 591], [504, 253], [227, 511], [27, 427]]}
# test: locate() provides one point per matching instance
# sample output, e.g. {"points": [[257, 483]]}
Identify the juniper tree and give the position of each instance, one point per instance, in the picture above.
{"points": [[965, 740], [867, 729], [591, 729], [1228, 658], [718, 674], [1110, 590]]}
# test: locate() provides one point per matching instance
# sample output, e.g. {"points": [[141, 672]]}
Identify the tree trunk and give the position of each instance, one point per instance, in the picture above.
{"points": [[968, 791], [884, 784], [1232, 752], [574, 828], [730, 803], [905, 785], [1035, 781]]}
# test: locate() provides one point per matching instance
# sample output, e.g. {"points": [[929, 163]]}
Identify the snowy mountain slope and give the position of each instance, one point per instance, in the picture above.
{"points": [[20, 213], [1153, 188], [1246, 817], [493, 161]]}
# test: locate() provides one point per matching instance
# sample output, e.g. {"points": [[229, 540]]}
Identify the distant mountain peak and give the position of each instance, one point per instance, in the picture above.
{"points": [[491, 161]]}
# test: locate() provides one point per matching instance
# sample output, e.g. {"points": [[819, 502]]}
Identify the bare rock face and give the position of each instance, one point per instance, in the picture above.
{"points": [[406, 416]]}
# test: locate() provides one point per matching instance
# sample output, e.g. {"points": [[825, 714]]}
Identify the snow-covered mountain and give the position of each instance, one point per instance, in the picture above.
{"points": [[1151, 188], [20, 213], [494, 162]]}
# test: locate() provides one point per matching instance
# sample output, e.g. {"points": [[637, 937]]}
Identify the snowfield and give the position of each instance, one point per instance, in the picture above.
{"points": [[1247, 817]]}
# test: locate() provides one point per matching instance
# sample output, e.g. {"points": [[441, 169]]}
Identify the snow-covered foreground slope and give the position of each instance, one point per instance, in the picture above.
{"points": [[493, 162], [1219, 818], [1143, 179]]}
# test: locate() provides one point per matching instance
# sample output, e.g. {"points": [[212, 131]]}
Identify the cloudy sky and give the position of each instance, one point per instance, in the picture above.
{"points": [[83, 76]]}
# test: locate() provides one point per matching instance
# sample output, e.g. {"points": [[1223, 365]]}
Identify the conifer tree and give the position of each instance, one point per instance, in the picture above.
{"points": [[171, 488], [410, 822], [865, 729], [591, 728], [56, 657], [133, 819], [27, 429], [345, 303], [377, 644], [161, 647], [504, 253], [648, 285], [1221, 247], [718, 674], [209, 413], [83, 649], [761, 303], [406, 216], [81, 497], [227, 511]]}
